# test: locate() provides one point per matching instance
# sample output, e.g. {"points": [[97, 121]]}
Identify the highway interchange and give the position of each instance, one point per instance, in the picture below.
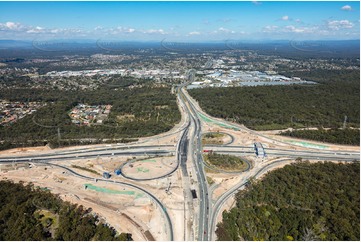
{"points": [[189, 153], [241, 150]]}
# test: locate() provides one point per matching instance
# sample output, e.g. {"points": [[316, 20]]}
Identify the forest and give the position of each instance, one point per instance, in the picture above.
{"points": [[225, 162], [31, 213], [154, 108], [325, 104], [302, 201], [337, 136]]}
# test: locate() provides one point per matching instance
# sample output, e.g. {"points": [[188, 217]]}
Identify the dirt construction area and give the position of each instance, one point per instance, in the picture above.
{"points": [[125, 208], [133, 210], [216, 138], [149, 168], [244, 137]]}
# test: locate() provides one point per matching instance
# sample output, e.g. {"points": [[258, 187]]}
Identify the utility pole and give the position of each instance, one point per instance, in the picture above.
{"points": [[167, 190]]}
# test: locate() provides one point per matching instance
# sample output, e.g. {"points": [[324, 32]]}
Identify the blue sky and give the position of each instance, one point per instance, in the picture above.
{"points": [[191, 21]]}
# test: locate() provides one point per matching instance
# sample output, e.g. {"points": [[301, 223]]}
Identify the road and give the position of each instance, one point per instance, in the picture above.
{"points": [[222, 199], [213, 211], [128, 151], [133, 149], [196, 148], [305, 154], [155, 199], [189, 145]]}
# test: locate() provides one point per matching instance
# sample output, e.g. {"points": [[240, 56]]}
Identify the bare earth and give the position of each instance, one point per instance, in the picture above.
{"points": [[131, 210]]}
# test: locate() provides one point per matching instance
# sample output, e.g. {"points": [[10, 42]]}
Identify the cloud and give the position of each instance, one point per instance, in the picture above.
{"points": [[154, 31], [289, 29], [194, 33], [116, 31], [11, 26], [224, 30], [55, 31], [339, 24], [346, 8], [256, 3], [270, 28], [293, 29], [130, 30], [329, 28], [39, 30], [98, 28], [18, 30]]}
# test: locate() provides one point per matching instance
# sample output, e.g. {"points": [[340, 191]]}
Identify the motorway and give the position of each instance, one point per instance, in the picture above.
{"points": [[125, 151], [264, 167], [305, 154], [189, 145], [133, 149], [196, 148]]}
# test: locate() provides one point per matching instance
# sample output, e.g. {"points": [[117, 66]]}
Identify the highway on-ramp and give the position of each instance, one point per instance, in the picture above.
{"points": [[289, 155], [190, 142]]}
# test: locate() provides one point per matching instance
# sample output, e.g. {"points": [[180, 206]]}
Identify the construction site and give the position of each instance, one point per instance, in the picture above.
{"points": [[152, 188], [127, 209]]}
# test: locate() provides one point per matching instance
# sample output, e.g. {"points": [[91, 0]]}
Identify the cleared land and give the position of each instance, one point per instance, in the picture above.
{"points": [[125, 208], [32, 213], [215, 138], [149, 168]]}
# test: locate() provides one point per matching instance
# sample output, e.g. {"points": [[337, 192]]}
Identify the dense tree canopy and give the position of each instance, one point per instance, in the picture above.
{"points": [[226, 162], [276, 107], [22, 217], [339, 136], [154, 108], [302, 201]]}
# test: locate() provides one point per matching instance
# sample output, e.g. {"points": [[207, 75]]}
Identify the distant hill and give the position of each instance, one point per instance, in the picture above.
{"points": [[4, 44], [285, 48]]}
